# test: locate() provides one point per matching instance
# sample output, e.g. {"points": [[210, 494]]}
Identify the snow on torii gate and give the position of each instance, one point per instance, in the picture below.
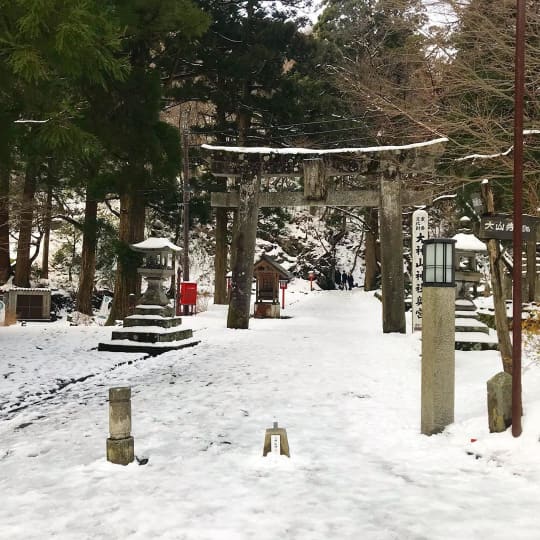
{"points": [[316, 166]]}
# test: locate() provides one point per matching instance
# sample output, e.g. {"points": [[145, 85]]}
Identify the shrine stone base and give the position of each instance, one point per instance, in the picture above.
{"points": [[265, 310], [150, 330]]}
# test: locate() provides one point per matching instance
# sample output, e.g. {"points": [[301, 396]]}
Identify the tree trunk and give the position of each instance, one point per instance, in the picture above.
{"points": [[88, 256], [243, 248], [131, 231], [5, 263], [46, 235], [370, 256], [220, 259], [22, 266], [499, 301]]}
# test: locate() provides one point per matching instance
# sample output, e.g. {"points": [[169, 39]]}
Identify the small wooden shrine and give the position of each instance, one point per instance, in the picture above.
{"points": [[27, 304], [269, 276]]}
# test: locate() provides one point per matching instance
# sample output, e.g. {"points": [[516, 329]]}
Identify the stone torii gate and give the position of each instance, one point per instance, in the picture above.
{"points": [[248, 165]]}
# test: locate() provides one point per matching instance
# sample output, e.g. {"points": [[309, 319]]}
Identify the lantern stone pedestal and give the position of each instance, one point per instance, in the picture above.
{"points": [[153, 328]]}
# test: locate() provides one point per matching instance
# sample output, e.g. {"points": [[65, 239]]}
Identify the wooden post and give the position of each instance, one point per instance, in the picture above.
{"points": [[391, 232], [220, 258], [120, 444], [499, 303], [531, 269], [243, 246]]}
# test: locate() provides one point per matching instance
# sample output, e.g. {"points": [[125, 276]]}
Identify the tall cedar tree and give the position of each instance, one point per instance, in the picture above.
{"points": [[48, 50], [147, 147]]}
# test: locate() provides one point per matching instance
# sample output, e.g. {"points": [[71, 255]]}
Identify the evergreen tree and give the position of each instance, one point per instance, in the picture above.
{"points": [[147, 148], [48, 51]]}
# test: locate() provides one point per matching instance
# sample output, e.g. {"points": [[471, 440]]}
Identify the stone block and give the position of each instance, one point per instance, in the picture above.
{"points": [[121, 451], [499, 402], [438, 359], [265, 310]]}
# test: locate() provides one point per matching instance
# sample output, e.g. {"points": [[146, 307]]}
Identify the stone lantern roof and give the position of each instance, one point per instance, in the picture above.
{"points": [[469, 242], [155, 244]]}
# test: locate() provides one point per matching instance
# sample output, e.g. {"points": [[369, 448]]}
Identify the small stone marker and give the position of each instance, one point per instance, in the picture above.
{"points": [[120, 444], [275, 441], [499, 402]]}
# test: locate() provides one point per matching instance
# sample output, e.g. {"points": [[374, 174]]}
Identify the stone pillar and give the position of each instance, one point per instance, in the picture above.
{"points": [[391, 233], [120, 444], [499, 402], [438, 359]]}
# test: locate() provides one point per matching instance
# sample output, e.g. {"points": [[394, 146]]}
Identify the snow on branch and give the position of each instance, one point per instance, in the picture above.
{"points": [[364, 150], [444, 197], [30, 121], [485, 156], [499, 154]]}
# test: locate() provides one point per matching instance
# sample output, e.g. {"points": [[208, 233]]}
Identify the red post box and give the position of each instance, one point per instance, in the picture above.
{"points": [[187, 299]]}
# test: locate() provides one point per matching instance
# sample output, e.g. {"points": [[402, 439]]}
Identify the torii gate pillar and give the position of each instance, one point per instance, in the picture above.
{"points": [[391, 235], [243, 245]]}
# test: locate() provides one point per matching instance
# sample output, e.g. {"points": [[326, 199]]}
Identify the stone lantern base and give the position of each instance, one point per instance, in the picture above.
{"points": [[150, 330]]}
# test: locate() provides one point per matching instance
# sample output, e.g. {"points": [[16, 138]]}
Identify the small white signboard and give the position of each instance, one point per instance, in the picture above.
{"points": [[275, 445], [419, 234]]}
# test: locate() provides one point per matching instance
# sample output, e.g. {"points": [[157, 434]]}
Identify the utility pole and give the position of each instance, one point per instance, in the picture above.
{"points": [[517, 238]]}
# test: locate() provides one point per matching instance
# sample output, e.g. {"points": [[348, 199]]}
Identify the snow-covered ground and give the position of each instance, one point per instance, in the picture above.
{"points": [[348, 396]]}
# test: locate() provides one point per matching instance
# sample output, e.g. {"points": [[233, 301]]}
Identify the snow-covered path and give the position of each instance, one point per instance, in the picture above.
{"points": [[348, 395]]}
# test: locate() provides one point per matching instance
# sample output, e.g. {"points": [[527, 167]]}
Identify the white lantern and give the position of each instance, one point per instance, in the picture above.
{"points": [[439, 255]]}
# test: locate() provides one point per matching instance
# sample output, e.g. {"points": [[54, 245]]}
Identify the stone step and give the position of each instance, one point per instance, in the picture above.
{"points": [[152, 320], [152, 349], [465, 305], [476, 341], [142, 309], [151, 334], [471, 325], [466, 314]]}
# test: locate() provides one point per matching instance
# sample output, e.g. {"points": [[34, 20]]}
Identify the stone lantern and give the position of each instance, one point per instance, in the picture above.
{"points": [[152, 328], [157, 266]]}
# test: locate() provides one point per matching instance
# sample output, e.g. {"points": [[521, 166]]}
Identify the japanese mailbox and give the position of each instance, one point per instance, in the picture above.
{"points": [[187, 298]]}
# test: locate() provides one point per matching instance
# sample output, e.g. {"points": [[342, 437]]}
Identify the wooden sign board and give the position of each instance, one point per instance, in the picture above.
{"points": [[501, 227]]}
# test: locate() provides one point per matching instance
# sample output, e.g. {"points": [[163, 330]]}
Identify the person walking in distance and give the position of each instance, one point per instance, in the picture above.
{"points": [[350, 281], [344, 280]]}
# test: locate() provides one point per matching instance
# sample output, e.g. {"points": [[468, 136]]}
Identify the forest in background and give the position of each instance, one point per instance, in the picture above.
{"points": [[95, 96]]}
